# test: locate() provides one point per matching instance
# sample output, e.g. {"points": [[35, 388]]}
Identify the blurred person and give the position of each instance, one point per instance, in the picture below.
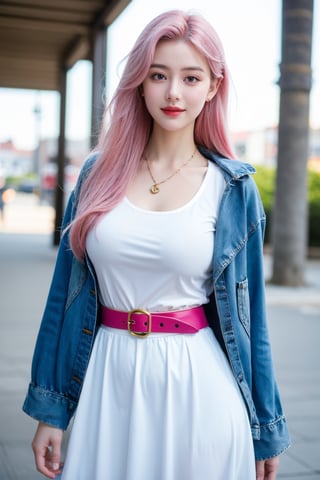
{"points": [[154, 333]]}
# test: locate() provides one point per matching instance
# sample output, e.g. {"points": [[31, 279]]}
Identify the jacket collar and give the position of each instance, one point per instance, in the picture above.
{"points": [[232, 169]]}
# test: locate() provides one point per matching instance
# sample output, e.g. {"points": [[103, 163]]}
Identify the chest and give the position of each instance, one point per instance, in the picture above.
{"points": [[165, 191]]}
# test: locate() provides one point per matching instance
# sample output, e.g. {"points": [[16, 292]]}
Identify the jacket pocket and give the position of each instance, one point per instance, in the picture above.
{"points": [[244, 304], [77, 279]]}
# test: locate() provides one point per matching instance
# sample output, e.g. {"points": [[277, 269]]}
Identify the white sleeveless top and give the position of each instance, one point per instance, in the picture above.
{"points": [[158, 260]]}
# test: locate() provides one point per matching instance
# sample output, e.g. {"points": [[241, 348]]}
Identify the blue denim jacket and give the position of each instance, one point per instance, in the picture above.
{"points": [[236, 313]]}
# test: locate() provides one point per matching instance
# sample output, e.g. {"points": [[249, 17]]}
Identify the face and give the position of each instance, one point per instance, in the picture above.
{"points": [[177, 86]]}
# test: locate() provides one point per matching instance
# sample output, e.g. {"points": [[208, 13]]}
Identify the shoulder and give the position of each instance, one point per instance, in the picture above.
{"points": [[242, 192], [232, 169], [236, 174], [89, 163], [85, 171]]}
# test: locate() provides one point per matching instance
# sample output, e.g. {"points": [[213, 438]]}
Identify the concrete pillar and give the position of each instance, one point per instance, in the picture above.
{"points": [[59, 198], [99, 58]]}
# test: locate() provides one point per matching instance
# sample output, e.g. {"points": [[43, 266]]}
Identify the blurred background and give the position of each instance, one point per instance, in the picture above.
{"points": [[31, 158], [60, 62]]}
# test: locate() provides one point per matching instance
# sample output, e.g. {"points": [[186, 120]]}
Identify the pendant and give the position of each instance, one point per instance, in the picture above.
{"points": [[154, 189]]}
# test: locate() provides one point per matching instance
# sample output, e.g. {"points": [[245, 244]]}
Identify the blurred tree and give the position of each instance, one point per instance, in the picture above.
{"points": [[290, 212]]}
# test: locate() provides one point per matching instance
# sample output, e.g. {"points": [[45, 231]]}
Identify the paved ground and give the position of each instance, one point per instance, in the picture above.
{"points": [[27, 260]]}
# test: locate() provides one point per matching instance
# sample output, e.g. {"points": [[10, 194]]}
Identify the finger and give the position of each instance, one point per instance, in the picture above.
{"points": [[47, 456], [54, 467], [53, 458], [40, 455], [271, 476], [272, 466], [260, 464]]}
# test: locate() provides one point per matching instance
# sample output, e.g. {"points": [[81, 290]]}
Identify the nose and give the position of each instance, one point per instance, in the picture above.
{"points": [[173, 91]]}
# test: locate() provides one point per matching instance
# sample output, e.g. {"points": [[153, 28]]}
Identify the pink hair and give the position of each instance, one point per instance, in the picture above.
{"points": [[129, 124]]}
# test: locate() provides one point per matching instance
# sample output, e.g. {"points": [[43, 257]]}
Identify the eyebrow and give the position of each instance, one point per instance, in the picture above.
{"points": [[185, 69]]}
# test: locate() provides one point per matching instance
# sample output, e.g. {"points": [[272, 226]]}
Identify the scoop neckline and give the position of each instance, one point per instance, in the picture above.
{"points": [[175, 210]]}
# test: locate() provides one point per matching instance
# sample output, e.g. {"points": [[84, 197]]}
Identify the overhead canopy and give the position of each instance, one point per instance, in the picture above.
{"points": [[37, 37]]}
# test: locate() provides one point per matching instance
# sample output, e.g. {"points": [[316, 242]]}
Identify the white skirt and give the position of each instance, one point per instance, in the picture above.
{"points": [[165, 407]]}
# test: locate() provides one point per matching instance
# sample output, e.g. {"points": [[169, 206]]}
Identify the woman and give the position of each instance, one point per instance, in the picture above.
{"points": [[154, 329]]}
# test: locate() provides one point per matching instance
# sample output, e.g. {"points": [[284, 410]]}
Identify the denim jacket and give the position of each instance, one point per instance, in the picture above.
{"points": [[236, 313]]}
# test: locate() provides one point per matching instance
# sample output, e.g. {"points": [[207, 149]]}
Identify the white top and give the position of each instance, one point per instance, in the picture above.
{"points": [[158, 260]]}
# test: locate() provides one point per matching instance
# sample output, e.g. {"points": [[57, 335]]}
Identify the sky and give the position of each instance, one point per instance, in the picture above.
{"points": [[250, 31]]}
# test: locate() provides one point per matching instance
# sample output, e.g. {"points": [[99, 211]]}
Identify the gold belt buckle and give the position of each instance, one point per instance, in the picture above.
{"points": [[131, 322]]}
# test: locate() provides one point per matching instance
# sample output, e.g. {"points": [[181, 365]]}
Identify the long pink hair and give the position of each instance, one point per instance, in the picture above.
{"points": [[127, 124]]}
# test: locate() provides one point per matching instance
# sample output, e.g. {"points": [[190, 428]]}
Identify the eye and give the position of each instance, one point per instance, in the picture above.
{"points": [[158, 76], [191, 79]]}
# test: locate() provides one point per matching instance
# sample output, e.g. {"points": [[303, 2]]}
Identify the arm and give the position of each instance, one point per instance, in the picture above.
{"points": [[50, 398], [274, 437], [44, 400]]}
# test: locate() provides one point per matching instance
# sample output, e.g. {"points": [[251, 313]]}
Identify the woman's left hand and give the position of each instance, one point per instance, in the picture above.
{"points": [[267, 469]]}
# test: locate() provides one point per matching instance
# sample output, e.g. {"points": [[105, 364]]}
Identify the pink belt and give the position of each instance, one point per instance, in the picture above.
{"points": [[141, 323]]}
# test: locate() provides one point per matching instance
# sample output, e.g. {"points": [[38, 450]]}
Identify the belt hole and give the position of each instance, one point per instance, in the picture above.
{"points": [[161, 324], [176, 325], [145, 323]]}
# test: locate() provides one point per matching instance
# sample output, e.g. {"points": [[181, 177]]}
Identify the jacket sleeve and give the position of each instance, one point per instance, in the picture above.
{"points": [[274, 436], [47, 399], [43, 401]]}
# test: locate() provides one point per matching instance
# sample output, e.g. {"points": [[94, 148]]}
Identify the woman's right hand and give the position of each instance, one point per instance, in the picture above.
{"points": [[46, 447]]}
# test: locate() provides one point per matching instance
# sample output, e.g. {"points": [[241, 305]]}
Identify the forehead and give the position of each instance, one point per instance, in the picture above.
{"points": [[178, 54]]}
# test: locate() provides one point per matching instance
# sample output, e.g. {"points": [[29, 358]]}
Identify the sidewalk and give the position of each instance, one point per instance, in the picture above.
{"points": [[27, 261]]}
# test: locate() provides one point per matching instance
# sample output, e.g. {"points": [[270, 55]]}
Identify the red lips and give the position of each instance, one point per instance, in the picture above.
{"points": [[172, 111]]}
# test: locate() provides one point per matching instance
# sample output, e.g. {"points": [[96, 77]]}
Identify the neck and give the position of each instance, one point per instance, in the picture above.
{"points": [[169, 147]]}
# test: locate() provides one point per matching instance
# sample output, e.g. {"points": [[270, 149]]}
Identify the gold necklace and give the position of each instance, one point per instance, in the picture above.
{"points": [[155, 186]]}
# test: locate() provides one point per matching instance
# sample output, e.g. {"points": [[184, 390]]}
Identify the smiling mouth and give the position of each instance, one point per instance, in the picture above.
{"points": [[173, 111]]}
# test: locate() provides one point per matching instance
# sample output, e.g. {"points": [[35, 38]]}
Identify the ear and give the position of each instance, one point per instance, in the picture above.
{"points": [[215, 84]]}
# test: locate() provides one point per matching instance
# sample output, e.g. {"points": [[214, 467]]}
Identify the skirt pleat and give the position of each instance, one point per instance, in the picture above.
{"points": [[165, 407]]}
